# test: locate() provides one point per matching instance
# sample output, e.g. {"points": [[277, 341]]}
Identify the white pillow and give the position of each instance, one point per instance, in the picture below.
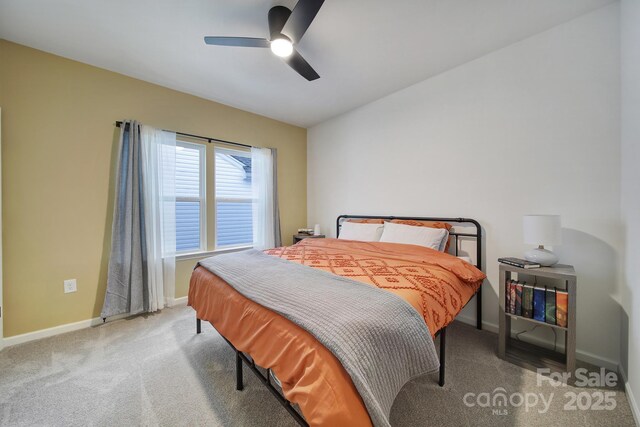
{"points": [[412, 235], [359, 231], [445, 240]]}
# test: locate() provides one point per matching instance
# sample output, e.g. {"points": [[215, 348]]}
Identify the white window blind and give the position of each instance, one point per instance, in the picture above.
{"points": [[190, 197], [233, 198]]}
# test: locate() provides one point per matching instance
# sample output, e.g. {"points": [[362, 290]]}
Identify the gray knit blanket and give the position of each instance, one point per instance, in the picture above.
{"points": [[381, 341]]}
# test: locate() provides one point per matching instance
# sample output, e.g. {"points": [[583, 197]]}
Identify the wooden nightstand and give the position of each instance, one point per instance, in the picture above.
{"points": [[298, 237], [528, 355]]}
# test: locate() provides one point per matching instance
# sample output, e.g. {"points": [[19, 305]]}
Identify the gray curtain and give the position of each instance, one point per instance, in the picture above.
{"points": [[127, 275], [276, 209]]}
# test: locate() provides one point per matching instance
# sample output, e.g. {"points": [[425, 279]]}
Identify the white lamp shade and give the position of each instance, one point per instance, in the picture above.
{"points": [[542, 230]]}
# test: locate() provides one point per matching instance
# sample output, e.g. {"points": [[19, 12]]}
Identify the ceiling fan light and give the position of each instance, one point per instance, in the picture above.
{"points": [[282, 47]]}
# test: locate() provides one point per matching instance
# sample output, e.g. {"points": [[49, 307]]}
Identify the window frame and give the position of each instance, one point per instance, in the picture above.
{"points": [[202, 198], [216, 198]]}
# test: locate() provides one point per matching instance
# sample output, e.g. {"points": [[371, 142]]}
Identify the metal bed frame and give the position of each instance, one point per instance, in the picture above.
{"points": [[265, 378]]}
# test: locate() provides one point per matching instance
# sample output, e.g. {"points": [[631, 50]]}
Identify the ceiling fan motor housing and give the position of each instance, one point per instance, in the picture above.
{"points": [[278, 16]]}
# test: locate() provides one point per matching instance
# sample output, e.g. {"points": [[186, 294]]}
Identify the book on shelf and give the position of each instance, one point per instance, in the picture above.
{"points": [[562, 302], [507, 295], [518, 299], [539, 303], [512, 299], [527, 301], [550, 308], [518, 262]]}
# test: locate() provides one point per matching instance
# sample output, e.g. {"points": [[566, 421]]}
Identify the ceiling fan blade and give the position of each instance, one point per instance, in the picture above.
{"points": [[302, 67], [237, 41], [301, 17]]}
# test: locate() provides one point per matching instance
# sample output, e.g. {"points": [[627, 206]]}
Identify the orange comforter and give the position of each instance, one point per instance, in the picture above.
{"points": [[437, 285]]}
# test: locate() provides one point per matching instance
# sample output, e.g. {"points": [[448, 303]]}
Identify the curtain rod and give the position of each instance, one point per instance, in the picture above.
{"points": [[205, 138]]}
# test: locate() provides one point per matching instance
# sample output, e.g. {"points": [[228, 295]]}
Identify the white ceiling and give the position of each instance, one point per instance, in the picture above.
{"points": [[362, 49]]}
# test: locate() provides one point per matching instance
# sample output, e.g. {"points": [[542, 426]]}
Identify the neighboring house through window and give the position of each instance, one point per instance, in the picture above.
{"points": [[190, 197], [233, 198]]}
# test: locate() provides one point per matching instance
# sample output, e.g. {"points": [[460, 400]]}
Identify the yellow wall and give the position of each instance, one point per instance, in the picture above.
{"points": [[58, 147]]}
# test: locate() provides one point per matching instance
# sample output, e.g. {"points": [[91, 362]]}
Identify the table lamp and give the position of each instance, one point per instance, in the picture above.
{"points": [[542, 230]]}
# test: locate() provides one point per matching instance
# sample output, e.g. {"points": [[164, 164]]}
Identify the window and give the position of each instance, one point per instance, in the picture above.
{"points": [[190, 197], [233, 198]]}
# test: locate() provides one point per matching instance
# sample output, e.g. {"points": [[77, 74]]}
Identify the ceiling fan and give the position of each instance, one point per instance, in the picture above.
{"points": [[286, 28]]}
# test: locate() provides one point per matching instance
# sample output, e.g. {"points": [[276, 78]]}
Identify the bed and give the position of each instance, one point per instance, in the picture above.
{"points": [[436, 285]]}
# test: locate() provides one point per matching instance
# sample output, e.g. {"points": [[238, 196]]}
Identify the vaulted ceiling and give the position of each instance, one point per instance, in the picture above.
{"points": [[362, 49]]}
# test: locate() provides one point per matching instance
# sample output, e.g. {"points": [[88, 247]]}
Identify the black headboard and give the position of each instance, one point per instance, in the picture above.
{"points": [[455, 234]]}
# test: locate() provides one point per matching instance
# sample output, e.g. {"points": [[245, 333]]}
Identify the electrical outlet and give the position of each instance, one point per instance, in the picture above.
{"points": [[70, 286]]}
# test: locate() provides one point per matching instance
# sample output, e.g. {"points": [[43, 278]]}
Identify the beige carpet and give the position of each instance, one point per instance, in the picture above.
{"points": [[154, 370]]}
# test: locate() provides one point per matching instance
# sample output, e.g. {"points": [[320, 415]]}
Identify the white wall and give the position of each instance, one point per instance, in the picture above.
{"points": [[531, 128], [630, 295]]}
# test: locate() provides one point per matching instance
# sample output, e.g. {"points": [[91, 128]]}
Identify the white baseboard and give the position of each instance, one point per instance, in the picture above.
{"points": [[70, 327], [580, 354], [486, 326], [633, 403], [49, 332], [172, 302]]}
